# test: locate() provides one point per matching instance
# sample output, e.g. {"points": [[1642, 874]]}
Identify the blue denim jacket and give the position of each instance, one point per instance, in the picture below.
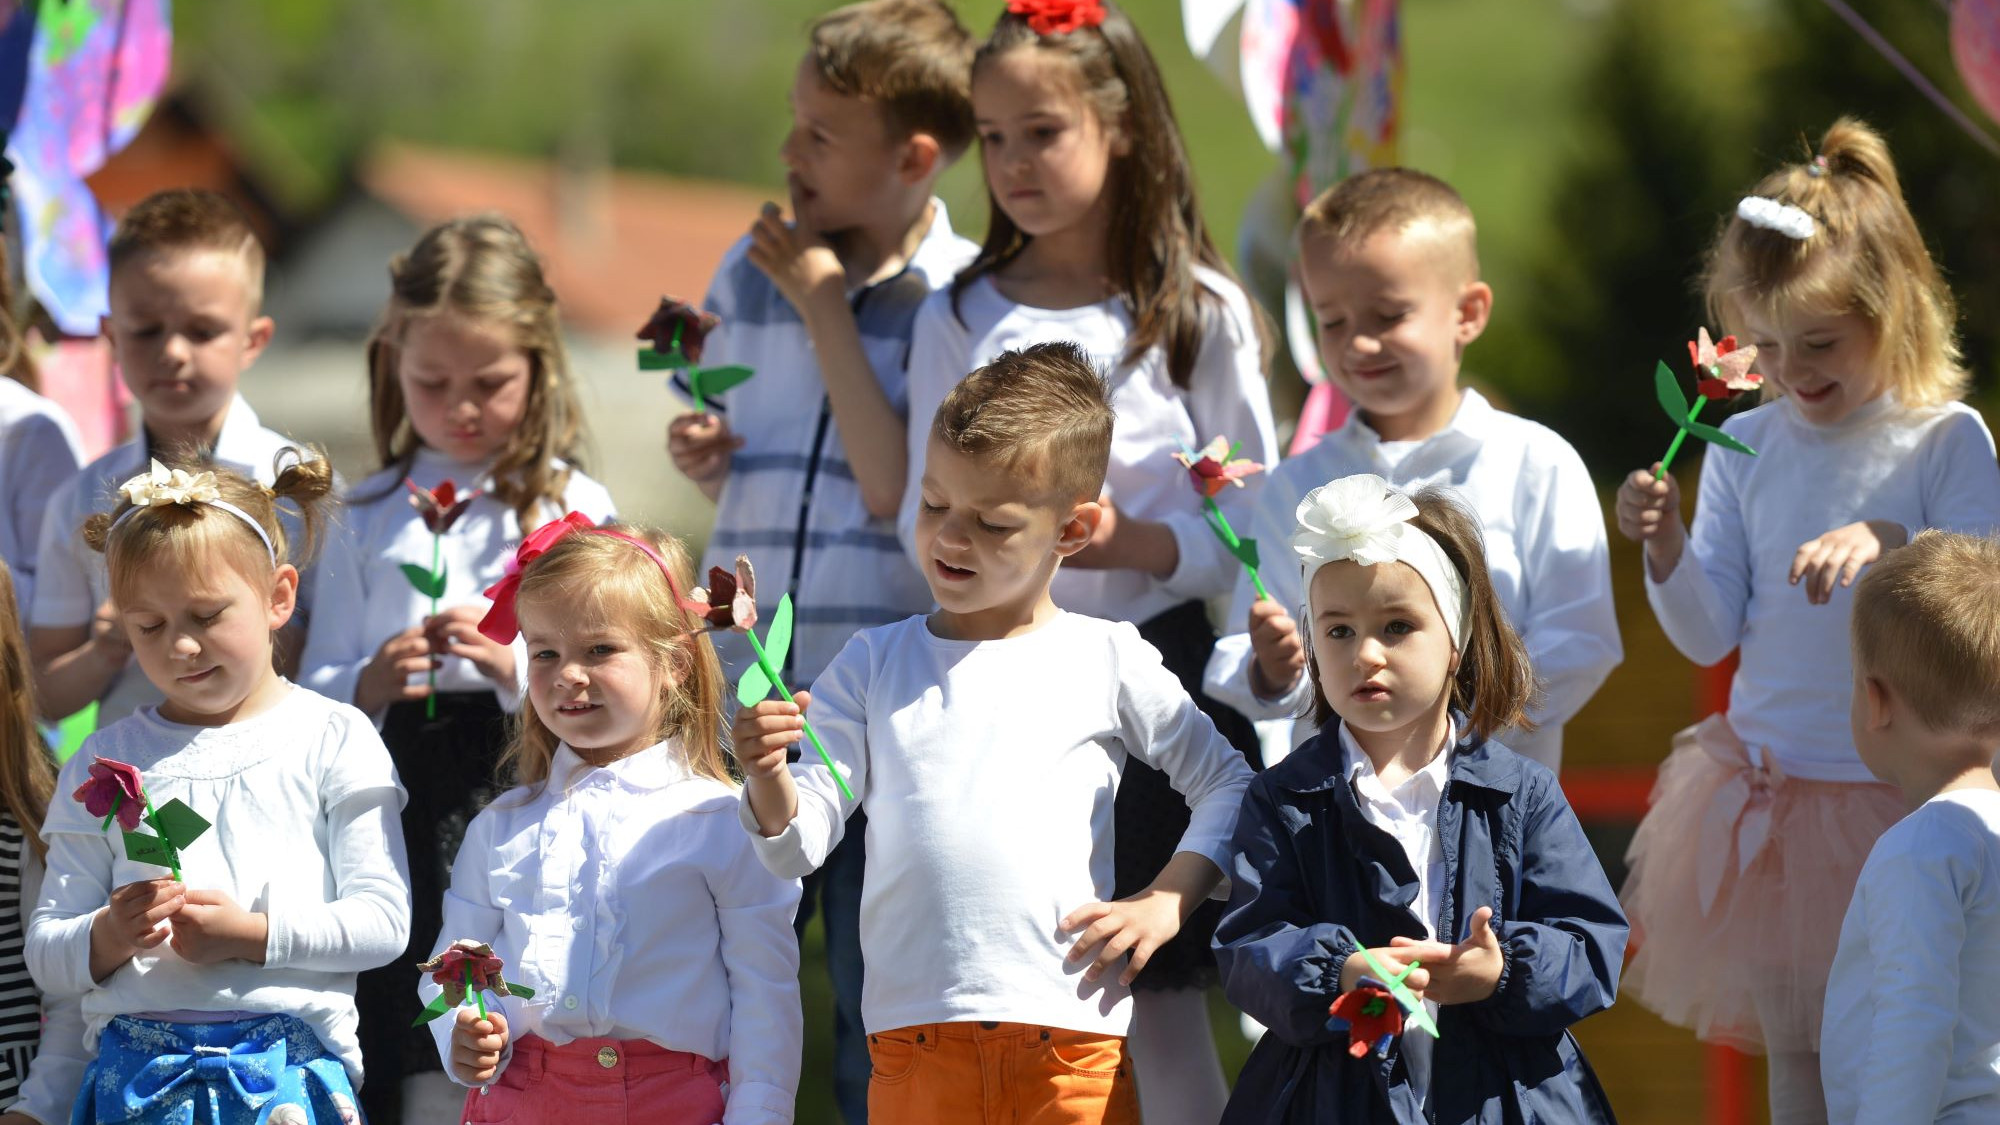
{"points": [[1313, 881]]}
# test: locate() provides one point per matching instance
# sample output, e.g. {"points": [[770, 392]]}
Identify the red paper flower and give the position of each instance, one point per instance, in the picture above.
{"points": [[1372, 1016], [117, 785], [465, 960], [441, 507], [1722, 370], [730, 602], [1058, 17], [692, 323], [1211, 470]]}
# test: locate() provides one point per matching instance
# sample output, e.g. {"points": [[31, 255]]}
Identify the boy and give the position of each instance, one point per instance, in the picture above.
{"points": [[187, 282], [1390, 263], [987, 740], [806, 462], [1912, 1024]]}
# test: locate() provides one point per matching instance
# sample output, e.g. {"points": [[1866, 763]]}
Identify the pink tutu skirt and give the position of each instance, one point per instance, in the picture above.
{"points": [[1739, 881]]}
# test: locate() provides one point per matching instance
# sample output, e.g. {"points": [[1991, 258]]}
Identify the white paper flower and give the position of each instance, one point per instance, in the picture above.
{"points": [[161, 485], [1770, 214], [1359, 517]]}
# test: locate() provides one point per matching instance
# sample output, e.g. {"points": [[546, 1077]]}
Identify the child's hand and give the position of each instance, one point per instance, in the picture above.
{"points": [[1356, 967], [1281, 654], [108, 639], [797, 261], [131, 923], [1839, 555], [1123, 542], [1462, 973], [1138, 925], [700, 445], [386, 677], [476, 1045], [1649, 512], [762, 734], [455, 632], [210, 927]]}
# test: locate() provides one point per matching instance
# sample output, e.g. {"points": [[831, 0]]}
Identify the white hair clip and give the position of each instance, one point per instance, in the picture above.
{"points": [[1365, 519], [161, 485], [1770, 214]]}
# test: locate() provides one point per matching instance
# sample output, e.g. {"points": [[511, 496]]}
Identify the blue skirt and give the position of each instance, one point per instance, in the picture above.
{"points": [[268, 1070]]}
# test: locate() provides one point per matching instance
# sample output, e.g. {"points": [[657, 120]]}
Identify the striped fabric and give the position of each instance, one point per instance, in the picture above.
{"points": [[20, 1004]]}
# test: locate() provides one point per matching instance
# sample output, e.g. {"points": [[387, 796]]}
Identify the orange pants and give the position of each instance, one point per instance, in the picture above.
{"points": [[999, 1074]]}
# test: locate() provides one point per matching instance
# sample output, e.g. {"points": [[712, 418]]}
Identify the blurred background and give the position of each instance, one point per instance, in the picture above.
{"points": [[1599, 142]]}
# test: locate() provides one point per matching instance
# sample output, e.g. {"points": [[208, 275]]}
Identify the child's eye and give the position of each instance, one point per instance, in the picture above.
{"points": [[542, 654], [1340, 632], [927, 506], [989, 138], [1819, 345], [493, 386], [1400, 628], [1045, 132], [603, 649], [207, 619], [1333, 325], [993, 528]]}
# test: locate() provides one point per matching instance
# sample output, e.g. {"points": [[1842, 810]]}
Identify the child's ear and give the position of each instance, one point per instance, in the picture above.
{"points": [[1475, 308], [1080, 528], [284, 596], [922, 157], [260, 338], [1880, 703]]}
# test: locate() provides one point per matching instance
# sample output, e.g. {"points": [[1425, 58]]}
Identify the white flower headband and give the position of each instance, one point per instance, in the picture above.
{"points": [[161, 485], [1769, 214], [1365, 519]]}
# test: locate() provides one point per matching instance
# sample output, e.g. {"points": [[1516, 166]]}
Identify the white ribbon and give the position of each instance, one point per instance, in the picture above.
{"points": [[1365, 519], [1769, 214], [160, 485]]}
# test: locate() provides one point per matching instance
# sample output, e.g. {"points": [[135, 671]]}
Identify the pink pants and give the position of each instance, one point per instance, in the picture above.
{"points": [[601, 1082]]}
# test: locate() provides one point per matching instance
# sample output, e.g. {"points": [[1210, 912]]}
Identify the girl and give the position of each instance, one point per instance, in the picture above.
{"points": [[467, 383], [228, 997], [617, 881], [39, 446], [1862, 443], [1405, 830], [1095, 236]]}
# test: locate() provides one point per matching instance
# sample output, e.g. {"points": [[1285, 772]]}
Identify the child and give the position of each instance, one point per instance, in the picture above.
{"points": [[187, 278], [1391, 268], [1407, 830], [1762, 816], [806, 463], [468, 383], [986, 740], [1095, 237], [615, 881], [1912, 1027], [39, 446], [229, 996]]}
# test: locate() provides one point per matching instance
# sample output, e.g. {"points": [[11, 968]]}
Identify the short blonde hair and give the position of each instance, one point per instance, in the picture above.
{"points": [[1391, 199], [1865, 256], [1926, 623], [1042, 411], [184, 220], [911, 57]]}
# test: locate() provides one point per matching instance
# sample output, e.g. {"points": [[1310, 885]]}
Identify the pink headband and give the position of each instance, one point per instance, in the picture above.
{"points": [[500, 625]]}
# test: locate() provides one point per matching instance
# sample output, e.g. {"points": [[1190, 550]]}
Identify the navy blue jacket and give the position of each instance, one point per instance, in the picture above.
{"points": [[1314, 881]]}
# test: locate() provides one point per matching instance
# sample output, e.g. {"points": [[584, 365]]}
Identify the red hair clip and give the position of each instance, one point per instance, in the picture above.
{"points": [[1058, 17], [500, 624]]}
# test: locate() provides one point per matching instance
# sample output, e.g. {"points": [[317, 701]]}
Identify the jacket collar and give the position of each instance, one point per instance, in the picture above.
{"points": [[1319, 764]]}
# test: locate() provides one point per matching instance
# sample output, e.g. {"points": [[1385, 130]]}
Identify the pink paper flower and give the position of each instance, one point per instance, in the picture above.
{"points": [[1372, 1016], [730, 602], [675, 314], [114, 784], [440, 507], [462, 960], [1058, 17], [1722, 370], [1211, 471]]}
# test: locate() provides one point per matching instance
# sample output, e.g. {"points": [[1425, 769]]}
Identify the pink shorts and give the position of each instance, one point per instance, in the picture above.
{"points": [[601, 1082]]}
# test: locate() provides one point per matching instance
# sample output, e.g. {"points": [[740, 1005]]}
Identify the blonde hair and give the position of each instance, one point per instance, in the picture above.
{"points": [[1926, 622], [483, 269], [194, 535], [16, 362], [1865, 256], [27, 776], [911, 57], [1042, 410], [1391, 199], [603, 578], [181, 220]]}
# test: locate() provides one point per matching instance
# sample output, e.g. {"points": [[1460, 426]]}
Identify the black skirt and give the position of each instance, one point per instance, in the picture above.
{"points": [[448, 766], [1150, 817]]}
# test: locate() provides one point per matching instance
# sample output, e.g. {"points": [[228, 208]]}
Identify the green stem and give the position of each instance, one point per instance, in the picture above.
{"points": [[173, 853], [117, 799], [1699, 402], [771, 673], [1221, 524], [477, 997], [431, 700]]}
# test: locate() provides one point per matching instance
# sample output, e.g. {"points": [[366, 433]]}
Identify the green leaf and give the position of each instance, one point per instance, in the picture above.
{"points": [[521, 990], [712, 381], [428, 584], [1246, 552], [1714, 436], [180, 824], [144, 847], [753, 687], [437, 1007], [1669, 389], [778, 638]]}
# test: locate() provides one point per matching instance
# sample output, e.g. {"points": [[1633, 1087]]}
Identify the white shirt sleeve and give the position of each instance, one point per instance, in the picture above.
{"points": [[1162, 727], [368, 923], [1961, 478], [939, 358], [468, 913], [77, 886], [839, 715], [40, 457], [56, 1074], [1273, 520], [337, 645], [62, 580], [760, 954], [1702, 606], [1571, 625]]}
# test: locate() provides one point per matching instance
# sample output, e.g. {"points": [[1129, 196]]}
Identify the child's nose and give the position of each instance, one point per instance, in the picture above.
{"points": [[1370, 654], [177, 347], [788, 149], [186, 645]]}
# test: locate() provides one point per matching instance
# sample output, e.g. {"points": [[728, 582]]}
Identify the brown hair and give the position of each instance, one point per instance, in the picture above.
{"points": [[603, 578], [16, 362], [185, 219], [1157, 237], [1391, 199], [483, 269], [1042, 409], [192, 534], [1926, 622], [1865, 256], [1495, 682], [27, 776], [911, 57]]}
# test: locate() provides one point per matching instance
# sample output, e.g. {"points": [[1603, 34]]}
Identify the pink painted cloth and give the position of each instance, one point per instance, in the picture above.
{"points": [[602, 1082]]}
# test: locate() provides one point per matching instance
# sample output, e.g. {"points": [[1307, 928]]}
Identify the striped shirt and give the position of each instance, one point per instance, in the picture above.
{"points": [[791, 502]]}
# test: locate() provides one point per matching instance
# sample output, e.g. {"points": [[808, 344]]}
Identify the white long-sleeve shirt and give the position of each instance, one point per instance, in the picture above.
{"points": [[1912, 1025], [1545, 551], [305, 809], [39, 450], [988, 769], [362, 598], [1226, 394], [629, 899], [49, 1088], [1918, 468]]}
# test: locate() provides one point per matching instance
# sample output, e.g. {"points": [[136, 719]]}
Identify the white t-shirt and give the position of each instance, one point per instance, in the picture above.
{"points": [[1912, 1025], [39, 450], [306, 830], [1919, 468], [1226, 395], [988, 769], [629, 899]]}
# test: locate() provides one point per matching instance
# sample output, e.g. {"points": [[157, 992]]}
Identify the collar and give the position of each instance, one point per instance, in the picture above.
{"points": [[1471, 424], [1358, 769], [651, 769], [1319, 764], [236, 444], [430, 465]]}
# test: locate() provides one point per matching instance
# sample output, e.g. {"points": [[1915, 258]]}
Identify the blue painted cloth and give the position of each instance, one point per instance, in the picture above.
{"points": [[267, 1070]]}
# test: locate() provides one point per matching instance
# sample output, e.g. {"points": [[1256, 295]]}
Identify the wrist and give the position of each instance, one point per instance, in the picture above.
{"points": [[1267, 687], [255, 940]]}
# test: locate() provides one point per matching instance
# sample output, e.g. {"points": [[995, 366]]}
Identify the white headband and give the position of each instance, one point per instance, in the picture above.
{"points": [[161, 485], [1790, 221], [1366, 519]]}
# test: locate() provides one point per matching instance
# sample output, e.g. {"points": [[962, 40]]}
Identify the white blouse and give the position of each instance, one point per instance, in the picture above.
{"points": [[39, 450]]}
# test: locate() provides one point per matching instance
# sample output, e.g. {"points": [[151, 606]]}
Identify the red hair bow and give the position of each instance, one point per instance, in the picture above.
{"points": [[1058, 17], [499, 624]]}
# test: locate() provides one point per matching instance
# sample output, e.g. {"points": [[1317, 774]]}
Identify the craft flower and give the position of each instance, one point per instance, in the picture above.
{"points": [[1212, 469], [114, 785], [730, 602], [440, 507], [1358, 517], [1058, 17], [466, 965], [1722, 370], [1372, 1017], [1769, 214], [677, 325], [161, 485]]}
